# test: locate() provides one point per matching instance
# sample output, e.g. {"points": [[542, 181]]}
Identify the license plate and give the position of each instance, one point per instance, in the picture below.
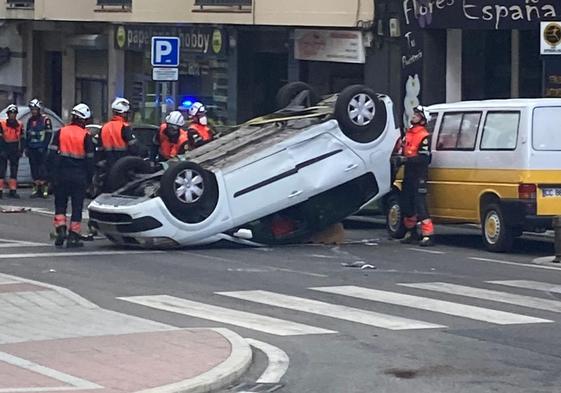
{"points": [[551, 192]]}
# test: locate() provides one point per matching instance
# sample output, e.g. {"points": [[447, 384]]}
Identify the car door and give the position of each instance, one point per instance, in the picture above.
{"points": [[264, 186]]}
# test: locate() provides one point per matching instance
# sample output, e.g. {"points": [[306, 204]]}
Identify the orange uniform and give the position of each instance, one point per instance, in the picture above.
{"points": [[169, 148]]}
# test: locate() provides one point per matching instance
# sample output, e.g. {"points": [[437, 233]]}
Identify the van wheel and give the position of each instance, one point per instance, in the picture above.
{"points": [[394, 217], [361, 115], [497, 235]]}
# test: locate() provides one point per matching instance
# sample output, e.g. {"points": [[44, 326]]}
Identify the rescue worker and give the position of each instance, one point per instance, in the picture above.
{"points": [[416, 158], [199, 132], [117, 139], [37, 138], [11, 148], [171, 139], [71, 162]]}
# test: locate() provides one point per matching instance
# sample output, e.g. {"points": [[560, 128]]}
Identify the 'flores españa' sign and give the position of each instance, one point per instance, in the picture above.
{"points": [[479, 14]]}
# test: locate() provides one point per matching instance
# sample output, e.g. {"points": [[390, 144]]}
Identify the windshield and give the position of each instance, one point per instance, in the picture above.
{"points": [[547, 133]]}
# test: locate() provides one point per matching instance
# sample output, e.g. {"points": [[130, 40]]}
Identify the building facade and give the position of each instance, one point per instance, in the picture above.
{"points": [[235, 54], [452, 50]]}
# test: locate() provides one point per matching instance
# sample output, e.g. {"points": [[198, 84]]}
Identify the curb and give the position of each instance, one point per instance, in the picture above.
{"points": [[221, 376]]}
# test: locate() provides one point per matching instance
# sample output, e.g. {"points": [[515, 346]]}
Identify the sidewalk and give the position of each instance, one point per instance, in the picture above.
{"points": [[52, 340]]}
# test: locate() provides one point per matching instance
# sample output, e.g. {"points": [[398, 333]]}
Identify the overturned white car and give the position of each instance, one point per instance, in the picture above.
{"points": [[275, 179]]}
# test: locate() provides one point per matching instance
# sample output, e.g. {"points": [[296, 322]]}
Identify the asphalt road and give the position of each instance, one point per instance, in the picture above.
{"points": [[345, 329]]}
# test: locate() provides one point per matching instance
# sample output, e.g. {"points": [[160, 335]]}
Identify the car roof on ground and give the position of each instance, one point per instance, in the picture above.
{"points": [[506, 103]]}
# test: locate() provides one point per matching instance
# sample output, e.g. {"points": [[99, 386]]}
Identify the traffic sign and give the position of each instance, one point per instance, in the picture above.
{"points": [[165, 74], [165, 51]]}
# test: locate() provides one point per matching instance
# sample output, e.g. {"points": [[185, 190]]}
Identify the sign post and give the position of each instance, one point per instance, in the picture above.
{"points": [[165, 63]]}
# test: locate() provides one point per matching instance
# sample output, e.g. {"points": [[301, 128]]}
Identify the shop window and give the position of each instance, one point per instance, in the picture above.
{"points": [[500, 131], [458, 131], [20, 3]]}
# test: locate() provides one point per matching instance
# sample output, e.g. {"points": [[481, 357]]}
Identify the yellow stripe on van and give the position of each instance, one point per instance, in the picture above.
{"points": [[454, 194]]}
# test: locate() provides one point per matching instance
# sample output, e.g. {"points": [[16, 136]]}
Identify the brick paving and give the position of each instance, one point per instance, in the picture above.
{"points": [[52, 340]]}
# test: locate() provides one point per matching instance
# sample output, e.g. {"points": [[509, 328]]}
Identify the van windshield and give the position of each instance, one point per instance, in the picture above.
{"points": [[547, 128]]}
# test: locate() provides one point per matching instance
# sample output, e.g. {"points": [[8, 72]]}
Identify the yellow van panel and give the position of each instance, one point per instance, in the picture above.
{"points": [[454, 194]]}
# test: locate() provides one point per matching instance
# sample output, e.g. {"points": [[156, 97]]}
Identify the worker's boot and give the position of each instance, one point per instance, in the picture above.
{"points": [[74, 240], [411, 236], [60, 235], [13, 194], [45, 191], [426, 241], [35, 193]]}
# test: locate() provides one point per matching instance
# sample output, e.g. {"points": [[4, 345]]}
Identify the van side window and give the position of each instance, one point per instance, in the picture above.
{"points": [[500, 131], [458, 131], [432, 123]]}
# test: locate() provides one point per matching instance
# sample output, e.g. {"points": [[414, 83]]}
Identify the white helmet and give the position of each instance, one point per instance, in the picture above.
{"points": [[175, 118], [35, 103], [197, 109], [423, 111], [81, 111], [121, 105], [12, 108]]}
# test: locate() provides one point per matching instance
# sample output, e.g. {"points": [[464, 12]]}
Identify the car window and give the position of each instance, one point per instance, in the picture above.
{"points": [[500, 131], [458, 131], [432, 122], [546, 131]]}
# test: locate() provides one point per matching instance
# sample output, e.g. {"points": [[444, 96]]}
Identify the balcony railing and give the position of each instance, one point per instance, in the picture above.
{"points": [[114, 5], [26, 4], [224, 4]]}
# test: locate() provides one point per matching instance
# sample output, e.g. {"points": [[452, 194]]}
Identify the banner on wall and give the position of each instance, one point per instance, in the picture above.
{"points": [[339, 46]]}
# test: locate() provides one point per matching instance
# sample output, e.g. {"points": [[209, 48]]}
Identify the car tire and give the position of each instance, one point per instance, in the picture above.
{"points": [[290, 91], [362, 116], [497, 235], [394, 218], [125, 171], [199, 196]]}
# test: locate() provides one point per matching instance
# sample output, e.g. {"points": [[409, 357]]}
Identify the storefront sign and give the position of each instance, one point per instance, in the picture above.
{"points": [[203, 40], [165, 74], [552, 76], [340, 46], [479, 14], [550, 38]]}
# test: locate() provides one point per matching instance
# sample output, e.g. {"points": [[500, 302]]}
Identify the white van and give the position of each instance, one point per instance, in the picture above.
{"points": [[495, 163]]}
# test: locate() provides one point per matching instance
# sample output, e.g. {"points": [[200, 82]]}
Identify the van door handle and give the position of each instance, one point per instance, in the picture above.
{"points": [[295, 194], [351, 167]]}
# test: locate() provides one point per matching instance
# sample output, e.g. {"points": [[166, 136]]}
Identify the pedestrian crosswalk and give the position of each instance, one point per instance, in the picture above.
{"points": [[9, 243], [372, 301]]}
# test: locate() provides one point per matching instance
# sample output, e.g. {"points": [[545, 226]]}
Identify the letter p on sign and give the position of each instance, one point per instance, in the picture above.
{"points": [[165, 51]]}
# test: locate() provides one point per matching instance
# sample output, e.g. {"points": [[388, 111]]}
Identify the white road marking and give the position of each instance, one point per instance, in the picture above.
{"points": [[428, 304], [331, 310], [74, 254], [300, 272], [486, 294], [539, 286], [278, 361], [75, 382], [516, 263], [426, 251], [244, 319], [5, 243]]}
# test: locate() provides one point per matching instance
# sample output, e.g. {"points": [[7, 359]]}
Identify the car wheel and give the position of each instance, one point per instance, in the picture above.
{"points": [[292, 90], [497, 235], [126, 170], [189, 192], [362, 116], [394, 217]]}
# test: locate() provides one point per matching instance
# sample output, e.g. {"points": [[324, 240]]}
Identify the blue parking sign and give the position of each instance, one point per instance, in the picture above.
{"points": [[165, 51]]}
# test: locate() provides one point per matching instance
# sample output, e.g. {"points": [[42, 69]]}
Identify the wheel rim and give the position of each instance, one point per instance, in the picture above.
{"points": [[394, 217], [492, 227], [361, 109], [189, 186]]}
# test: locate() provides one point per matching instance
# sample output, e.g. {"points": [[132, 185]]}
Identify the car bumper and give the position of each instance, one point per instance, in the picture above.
{"points": [[146, 223], [522, 213]]}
